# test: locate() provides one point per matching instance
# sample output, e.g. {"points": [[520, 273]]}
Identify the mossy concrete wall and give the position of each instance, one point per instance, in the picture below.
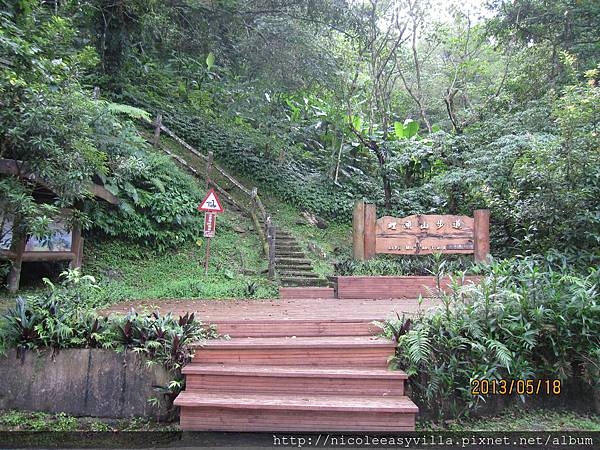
{"points": [[81, 382]]}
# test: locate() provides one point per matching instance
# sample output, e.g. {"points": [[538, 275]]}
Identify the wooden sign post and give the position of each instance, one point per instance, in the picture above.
{"points": [[419, 234]]}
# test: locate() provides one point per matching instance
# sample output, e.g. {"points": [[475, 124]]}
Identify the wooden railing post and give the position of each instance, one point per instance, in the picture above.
{"points": [[271, 236], [481, 235], [262, 230], [358, 231], [157, 125], [76, 247], [370, 219]]}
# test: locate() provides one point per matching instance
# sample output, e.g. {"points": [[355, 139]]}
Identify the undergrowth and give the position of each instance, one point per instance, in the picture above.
{"points": [[527, 319], [63, 317]]}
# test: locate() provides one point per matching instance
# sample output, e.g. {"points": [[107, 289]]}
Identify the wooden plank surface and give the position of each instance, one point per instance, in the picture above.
{"points": [[306, 292], [295, 402], [231, 419], [295, 371], [215, 311], [297, 327], [328, 342]]}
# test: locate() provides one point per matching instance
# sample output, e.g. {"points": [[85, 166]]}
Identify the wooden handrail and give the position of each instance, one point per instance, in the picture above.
{"points": [[266, 233]]}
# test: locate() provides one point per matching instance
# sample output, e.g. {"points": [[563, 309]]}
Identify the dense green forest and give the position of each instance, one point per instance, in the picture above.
{"points": [[418, 106]]}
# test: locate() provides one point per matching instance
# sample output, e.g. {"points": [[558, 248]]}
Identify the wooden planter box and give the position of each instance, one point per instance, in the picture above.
{"points": [[392, 286]]}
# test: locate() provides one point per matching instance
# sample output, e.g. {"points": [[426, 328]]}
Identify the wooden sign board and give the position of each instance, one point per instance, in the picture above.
{"points": [[424, 234], [210, 221], [419, 234]]}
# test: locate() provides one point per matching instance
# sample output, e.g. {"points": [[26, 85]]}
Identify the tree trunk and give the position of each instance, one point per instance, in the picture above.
{"points": [[17, 246]]}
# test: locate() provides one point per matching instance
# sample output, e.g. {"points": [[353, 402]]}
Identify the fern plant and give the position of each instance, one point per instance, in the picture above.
{"points": [[525, 320]]}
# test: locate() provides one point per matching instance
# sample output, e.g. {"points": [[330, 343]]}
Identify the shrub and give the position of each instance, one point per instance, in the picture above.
{"points": [[526, 320], [63, 318], [407, 265]]}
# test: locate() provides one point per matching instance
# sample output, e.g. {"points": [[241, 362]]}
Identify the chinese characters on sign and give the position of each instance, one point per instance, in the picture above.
{"points": [[210, 219], [456, 224], [419, 234], [422, 234]]}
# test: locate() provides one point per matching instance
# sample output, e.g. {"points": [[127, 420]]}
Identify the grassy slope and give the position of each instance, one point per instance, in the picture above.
{"points": [[128, 271], [235, 270], [323, 247]]}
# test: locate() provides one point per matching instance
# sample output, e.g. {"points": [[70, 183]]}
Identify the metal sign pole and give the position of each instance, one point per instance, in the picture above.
{"points": [[207, 256], [208, 239]]}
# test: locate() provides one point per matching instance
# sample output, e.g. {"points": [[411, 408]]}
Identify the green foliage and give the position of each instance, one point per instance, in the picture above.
{"points": [[63, 318], [68, 140], [158, 202], [210, 61], [518, 419], [127, 271], [13, 420], [38, 421], [528, 319], [408, 130], [408, 265]]}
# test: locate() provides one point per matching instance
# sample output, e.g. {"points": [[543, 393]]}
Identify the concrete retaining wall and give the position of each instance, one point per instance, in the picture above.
{"points": [[81, 382]]}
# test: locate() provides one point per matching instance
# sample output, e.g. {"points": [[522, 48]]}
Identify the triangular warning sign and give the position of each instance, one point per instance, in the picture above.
{"points": [[211, 203]]}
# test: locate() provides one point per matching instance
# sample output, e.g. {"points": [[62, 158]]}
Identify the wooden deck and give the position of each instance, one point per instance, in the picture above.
{"points": [[310, 364], [285, 317], [279, 309]]}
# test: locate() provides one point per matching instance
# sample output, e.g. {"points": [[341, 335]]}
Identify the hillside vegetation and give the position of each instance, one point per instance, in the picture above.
{"points": [[417, 106], [317, 104]]}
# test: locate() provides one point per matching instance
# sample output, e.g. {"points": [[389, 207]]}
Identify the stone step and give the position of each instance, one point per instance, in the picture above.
{"points": [[293, 261], [203, 410], [297, 274], [297, 327], [337, 351], [294, 379], [300, 281], [295, 266], [288, 249], [288, 254], [310, 293], [285, 239], [299, 269]]}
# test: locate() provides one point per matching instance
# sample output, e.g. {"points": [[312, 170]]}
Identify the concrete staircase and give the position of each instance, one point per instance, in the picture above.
{"points": [[302, 376], [291, 264]]}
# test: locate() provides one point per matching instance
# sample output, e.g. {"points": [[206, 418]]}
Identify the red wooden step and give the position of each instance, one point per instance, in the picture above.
{"points": [[296, 327], [208, 411], [294, 379], [349, 351]]}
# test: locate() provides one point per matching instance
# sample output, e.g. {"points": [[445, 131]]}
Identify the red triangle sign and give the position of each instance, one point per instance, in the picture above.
{"points": [[211, 203]]}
